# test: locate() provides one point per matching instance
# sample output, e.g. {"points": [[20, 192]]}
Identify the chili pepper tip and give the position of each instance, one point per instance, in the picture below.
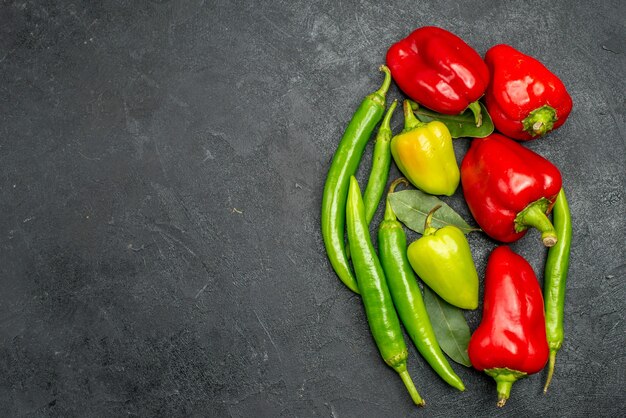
{"points": [[551, 363], [408, 383]]}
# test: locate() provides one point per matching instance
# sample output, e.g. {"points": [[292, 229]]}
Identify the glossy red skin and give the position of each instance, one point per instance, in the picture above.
{"points": [[520, 84], [500, 177], [438, 69], [512, 332]]}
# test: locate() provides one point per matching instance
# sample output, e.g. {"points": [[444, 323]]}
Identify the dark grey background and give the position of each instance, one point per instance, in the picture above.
{"points": [[161, 169]]}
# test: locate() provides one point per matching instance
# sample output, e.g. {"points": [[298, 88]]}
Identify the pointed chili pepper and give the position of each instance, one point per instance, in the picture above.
{"points": [[381, 315], [524, 99], [510, 342], [424, 154], [509, 188], [554, 280], [381, 162], [406, 294], [443, 260], [345, 163], [439, 70]]}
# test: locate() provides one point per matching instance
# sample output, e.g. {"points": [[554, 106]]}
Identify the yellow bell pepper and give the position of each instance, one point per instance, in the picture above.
{"points": [[424, 154]]}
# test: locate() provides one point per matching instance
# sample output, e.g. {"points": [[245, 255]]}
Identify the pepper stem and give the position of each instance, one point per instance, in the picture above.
{"points": [[477, 111], [408, 383], [540, 121], [386, 82], [395, 183], [534, 215], [379, 95], [410, 121], [385, 125], [389, 213], [428, 228], [550, 370], [504, 378], [504, 390]]}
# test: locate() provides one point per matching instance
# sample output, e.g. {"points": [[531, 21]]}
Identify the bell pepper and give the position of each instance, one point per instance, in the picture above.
{"points": [[424, 154], [439, 70], [509, 188], [442, 258], [525, 100], [510, 342]]}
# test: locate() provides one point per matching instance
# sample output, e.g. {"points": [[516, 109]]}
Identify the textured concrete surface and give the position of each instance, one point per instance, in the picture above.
{"points": [[161, 169]]}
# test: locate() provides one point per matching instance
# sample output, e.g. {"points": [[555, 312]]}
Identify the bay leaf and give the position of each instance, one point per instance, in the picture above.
{"points": [[412, 206], [451, 329], [460, 126]]}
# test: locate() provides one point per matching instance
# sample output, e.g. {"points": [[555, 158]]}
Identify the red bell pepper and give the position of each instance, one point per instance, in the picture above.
{"points": [[510, 342], [509, 188], [439, 70], [524, 99]]}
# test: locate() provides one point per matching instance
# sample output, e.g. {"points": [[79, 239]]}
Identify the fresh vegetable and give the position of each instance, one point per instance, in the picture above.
{"points": [[442, 259], [381, 315], [424, 154], [381, 161], [439, 70], [345, 163], [525, 100], [407, 296], [510, 342], [509, 188], [554, 280]]}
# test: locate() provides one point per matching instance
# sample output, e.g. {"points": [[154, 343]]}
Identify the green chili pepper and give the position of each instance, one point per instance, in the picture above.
{"points": [[344, 164], [407, 296], [381, 315], [381, 161], [555, 277]]}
